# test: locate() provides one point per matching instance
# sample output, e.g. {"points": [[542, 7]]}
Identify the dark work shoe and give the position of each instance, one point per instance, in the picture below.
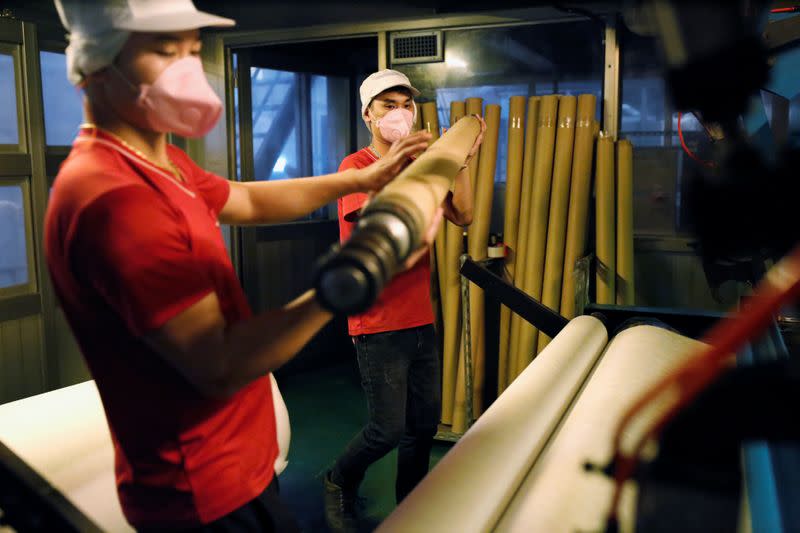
{"points": [[340, 507]]}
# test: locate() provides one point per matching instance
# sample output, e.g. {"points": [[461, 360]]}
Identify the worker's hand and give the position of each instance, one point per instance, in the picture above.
{"points": [[427, 239], [477, 144], [385, 169]]}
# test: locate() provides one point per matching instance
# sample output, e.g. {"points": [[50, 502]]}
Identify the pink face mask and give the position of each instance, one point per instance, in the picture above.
{"points": [[180, 101], [395, 124]]}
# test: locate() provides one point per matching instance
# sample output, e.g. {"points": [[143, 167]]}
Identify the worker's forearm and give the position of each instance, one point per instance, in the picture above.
{"points": [[267, 341], [287, 200]]}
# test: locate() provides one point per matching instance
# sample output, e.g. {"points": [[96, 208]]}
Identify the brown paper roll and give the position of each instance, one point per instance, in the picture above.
{"points": [[625, 276], [540, 210], [605, 213], [516, 148], [580, 191], [526, 194], [421, 187], [451, 301], [559, 203], [478, 245]]}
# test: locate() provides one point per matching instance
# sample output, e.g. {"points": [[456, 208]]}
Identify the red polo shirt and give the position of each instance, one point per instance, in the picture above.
{"points": [[129, 248], [406, 301]]}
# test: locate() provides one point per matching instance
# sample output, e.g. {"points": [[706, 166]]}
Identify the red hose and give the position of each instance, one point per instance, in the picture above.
{"points": [[780, 286], [686, 148]]}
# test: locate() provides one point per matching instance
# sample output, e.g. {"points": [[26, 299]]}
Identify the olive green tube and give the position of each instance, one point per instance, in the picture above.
{"points": [[531, 129], [580, 191], [516, 149], [559, 204], [625, 275], [540, 210], [606, 234], [478, 247], [451, 301]]}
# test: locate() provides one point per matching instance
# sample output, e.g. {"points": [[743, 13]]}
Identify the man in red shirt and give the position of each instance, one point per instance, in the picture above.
{"points": [[395, 340], [137, 259]]}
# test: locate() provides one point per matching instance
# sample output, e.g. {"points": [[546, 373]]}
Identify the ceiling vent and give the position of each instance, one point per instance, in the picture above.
{"points": [[416, 47]]}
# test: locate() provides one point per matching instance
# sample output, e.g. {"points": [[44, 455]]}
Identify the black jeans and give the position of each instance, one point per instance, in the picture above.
{"points": [[400, 373]]}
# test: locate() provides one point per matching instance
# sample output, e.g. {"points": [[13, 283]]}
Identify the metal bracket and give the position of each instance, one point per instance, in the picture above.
{"points": [[538, 314]]}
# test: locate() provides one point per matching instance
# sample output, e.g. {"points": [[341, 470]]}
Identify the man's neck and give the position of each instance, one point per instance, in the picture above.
{"points": [[381, 146], [152, 144]]}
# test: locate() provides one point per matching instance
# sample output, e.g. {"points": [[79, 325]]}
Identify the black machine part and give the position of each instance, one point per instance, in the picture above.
{"points": [[349, 278], [696, 478]]}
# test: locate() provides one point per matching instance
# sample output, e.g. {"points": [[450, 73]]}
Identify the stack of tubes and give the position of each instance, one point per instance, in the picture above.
{"points": [[551, 215], [550, 161]]}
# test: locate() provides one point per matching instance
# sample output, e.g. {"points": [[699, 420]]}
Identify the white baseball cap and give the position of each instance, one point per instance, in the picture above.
{"points": [[378, 82], [98, 29], [93, 16]]}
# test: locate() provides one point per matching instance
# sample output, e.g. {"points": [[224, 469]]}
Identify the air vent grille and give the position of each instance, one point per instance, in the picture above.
{"points": [[416, 47]]}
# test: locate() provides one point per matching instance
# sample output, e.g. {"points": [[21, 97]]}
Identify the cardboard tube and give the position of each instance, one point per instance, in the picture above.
{"points": [[516, 148], [430, 122], [478, 245], [474, 106], [605, 213], [540, 210], [559, 203], [430, 119], [625, 276], [451, 301], [580, 191], [531, 128]]}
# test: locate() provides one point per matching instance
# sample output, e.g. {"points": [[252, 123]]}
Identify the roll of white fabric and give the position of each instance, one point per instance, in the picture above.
{"points": [[471, 486], [557, 495], [64, 437]]}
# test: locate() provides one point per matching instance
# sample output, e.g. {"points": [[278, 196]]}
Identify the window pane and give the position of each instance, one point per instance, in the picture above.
{"points": [[275, 104], [301, 124], [330, 122], [13, 251], [8, 95], [63, 105], [497, 63]]}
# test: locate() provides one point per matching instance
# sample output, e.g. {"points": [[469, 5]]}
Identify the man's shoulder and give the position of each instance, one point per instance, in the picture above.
{"points": [[359, 159]]}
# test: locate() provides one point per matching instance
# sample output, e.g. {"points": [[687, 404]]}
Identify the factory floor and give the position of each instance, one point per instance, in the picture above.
{"points": [[327, 407]]}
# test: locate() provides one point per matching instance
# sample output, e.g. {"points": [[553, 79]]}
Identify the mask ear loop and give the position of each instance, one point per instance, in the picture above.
{"points": [[126, 80]]}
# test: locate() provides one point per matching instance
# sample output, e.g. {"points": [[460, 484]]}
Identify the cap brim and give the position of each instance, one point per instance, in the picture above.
{"points": [[175, 22], [414, 91]]}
